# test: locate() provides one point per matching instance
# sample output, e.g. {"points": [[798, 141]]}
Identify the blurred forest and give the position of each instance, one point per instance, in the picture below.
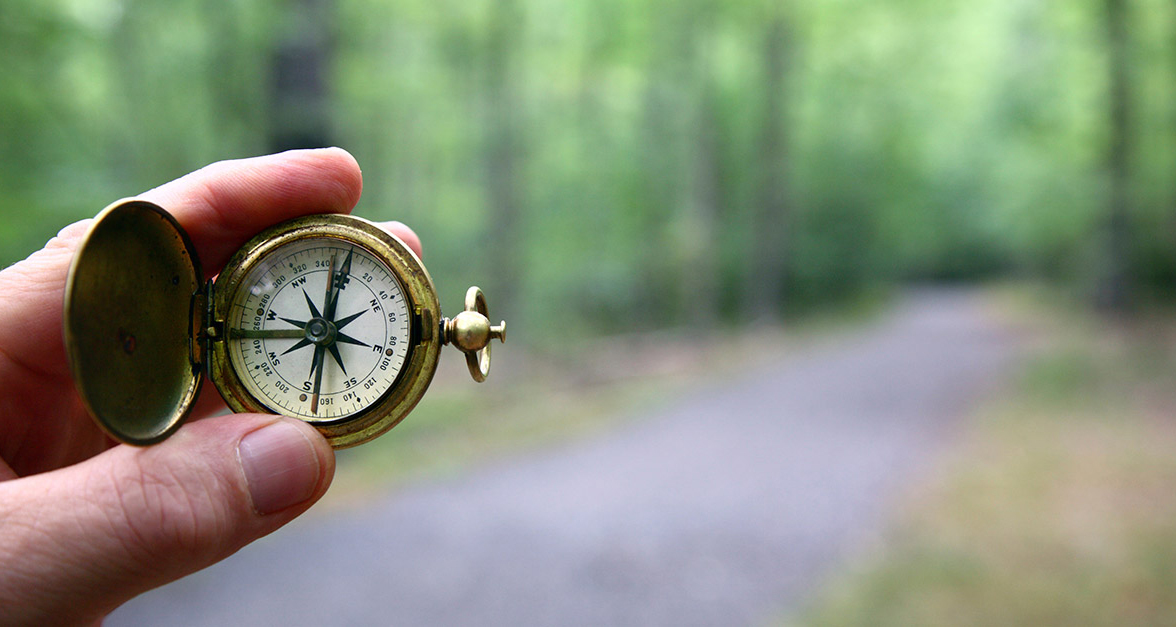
{"points": [[637, 164]]}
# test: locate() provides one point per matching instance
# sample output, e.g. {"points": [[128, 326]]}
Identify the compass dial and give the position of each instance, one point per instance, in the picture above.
{"points": [[318, 329]]}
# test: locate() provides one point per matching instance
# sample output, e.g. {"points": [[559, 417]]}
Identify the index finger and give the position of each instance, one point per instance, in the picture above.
{"points": [[224, 204], [220, 206]]}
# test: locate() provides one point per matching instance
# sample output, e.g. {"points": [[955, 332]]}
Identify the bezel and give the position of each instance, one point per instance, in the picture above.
{"points": [[424, 344]]}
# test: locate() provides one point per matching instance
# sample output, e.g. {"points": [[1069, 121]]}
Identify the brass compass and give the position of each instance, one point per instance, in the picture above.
{"points": [[326, 318]]}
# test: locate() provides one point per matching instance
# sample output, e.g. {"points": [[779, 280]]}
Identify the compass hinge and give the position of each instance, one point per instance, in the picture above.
{"points": [[203, 329]]}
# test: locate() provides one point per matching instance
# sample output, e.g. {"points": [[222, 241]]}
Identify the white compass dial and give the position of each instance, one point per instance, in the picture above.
{"points": [[308, 346]]}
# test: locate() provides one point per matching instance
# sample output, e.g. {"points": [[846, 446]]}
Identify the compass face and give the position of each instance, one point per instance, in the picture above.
{"points": [[318, 329]]}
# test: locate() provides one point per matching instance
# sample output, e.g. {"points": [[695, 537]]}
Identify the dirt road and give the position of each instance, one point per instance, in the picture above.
{"points": [[726, 508]]}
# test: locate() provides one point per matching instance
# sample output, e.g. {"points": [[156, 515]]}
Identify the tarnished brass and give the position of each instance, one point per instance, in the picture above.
{"points": [[421, 364], [127, 322], [140, 325], [470, 332]]}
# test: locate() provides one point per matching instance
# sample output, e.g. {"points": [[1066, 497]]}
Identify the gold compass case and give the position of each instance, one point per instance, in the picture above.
{"points": [[141, 324]]}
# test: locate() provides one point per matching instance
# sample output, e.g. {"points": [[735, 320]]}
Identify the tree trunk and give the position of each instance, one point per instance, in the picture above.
{"points": [[299, 92], [237, 99], [501, 154], [767, 278], [700, 293], [1114, 290]]}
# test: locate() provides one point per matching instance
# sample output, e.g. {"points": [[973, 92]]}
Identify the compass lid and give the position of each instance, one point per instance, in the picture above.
{"points": [[128, 322]]}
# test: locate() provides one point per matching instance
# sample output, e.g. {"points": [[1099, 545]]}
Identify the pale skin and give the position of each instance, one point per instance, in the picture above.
{"points": [[86, 524]]}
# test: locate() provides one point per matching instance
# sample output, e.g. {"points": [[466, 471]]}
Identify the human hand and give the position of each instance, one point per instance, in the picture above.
{"points": [[86, 524]]}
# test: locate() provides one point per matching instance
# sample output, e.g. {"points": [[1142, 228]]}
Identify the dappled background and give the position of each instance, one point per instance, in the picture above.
{"points": [[690, 176], [634, 164]]}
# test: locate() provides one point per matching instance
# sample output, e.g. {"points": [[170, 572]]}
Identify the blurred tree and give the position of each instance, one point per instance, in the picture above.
{"points": [[300, 113], [1114, 282], [634, 164], [769, 250], [657, 141], [237, 69], [702, 212], [503, 150]]}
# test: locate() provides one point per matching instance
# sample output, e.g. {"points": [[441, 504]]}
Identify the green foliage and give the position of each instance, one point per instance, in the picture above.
{"points": [[631, 164]]}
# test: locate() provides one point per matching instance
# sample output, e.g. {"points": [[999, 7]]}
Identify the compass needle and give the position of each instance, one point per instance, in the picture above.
{"points": [[316, 369], [328, 309], [339, 283], [316, 362], [266, 334]]}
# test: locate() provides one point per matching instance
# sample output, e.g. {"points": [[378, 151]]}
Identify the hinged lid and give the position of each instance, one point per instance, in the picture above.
{"points": [[129, 321]]}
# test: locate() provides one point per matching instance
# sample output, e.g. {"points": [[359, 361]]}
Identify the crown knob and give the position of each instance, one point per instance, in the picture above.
{"points": [[471, 332]]}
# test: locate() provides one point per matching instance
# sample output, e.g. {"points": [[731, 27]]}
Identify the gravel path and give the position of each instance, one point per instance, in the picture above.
{"points": [[726, 508]]}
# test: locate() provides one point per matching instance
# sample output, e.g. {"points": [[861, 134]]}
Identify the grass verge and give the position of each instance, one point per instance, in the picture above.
{"points": [[1058, 508]]}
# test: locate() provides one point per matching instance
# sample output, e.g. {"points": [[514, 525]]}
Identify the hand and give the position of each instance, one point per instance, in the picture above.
{"points": [[86, 525]]}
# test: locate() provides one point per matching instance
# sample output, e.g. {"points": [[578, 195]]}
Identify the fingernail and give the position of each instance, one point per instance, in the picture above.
{"points": [[281, 467]]}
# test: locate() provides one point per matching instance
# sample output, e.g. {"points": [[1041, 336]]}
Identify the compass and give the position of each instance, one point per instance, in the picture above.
{"points": [[325, 318]]}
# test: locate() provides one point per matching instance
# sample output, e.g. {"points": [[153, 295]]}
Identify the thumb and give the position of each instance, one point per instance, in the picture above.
{"points": [[80, 541]]}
